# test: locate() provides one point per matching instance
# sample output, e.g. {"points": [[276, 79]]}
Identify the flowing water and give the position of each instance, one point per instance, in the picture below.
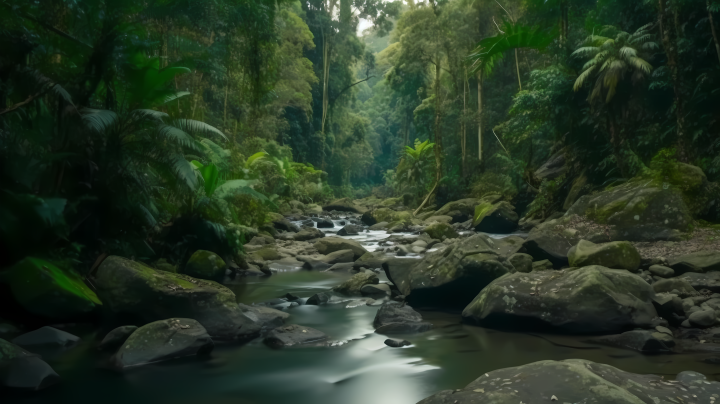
{"points": [[359, 368]]}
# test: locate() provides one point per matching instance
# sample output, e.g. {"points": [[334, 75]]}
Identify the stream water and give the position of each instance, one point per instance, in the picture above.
{"points": [[358, 369]]}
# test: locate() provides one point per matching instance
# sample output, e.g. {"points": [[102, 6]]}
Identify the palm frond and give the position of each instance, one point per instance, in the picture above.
{"points": [[184, 170], [174, 96], [149, 113], [99, 120], [237, 187], [193, 126], [178, 136]]}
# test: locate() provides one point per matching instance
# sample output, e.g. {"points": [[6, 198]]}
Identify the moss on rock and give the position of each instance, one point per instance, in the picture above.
{"points": [[205, 265]]}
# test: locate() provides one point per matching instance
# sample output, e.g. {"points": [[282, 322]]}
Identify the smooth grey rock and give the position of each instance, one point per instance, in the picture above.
{"points": [[615, 255], [701, 262], [115, 338], [319, 299], [398, 318], [639, 340], [521, 262], [397, 343], [329, 245], [294, 335], [264, 317], [354, 285], [661, 271], [350, 230], [46, 336], [703, 318], [308, 233], [374, 290]]}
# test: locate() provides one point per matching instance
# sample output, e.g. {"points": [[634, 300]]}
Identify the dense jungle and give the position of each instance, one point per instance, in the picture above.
{"points": [[352, 201]]}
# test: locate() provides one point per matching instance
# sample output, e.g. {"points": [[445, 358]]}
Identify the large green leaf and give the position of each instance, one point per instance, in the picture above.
{"points": [[236, 187], [193, 126], [184, 170], [211, 175], [99, 120]]}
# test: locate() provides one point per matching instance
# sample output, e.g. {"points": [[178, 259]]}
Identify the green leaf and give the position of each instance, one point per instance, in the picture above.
{"points": [[211, 175], [99, 120], [193, 126]]}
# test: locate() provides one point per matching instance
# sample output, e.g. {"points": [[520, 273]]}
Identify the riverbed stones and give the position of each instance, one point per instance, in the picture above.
{"points": [[265, 317], [461, 210], [639, 340], [616, 255], [115, 338], [370, 260], [354, 285], [323, 223], [592, 299], [350, 230], [308, 233], [163, 340], [323, 262], [381, 289], [398, 318], [132, 290], [701, 262], [47, 336], [329, 245], [497, 217], [521, 262], [20, 369], [294, 335], [700, 281], [205, 265], [577, 381], [548, 242], [441, 231], [454, 275], [44, 289], [680, 286], [703, 318], [661, 271], [319, 299]]}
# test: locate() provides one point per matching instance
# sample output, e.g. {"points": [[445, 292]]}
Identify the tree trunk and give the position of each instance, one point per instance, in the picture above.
{"points": [[463, 125], [617, 142], [480, 116], [517, 65], [670, 46], [438, 137], [712, 28], [227, 85]]}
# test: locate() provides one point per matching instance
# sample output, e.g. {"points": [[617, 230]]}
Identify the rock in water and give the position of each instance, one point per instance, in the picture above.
{"points": [[453, 276], [397, 343], [701, 262], [115, 338], [46, 290], [264, 317], [20, 369], [354, 285], [323, 223], [318, 299], [592, 299], [309, 233], [48, 336], [668, 285], [638, 340], [397, 318], [616, 255], [162, 340], [329, 245], [577, 381], [294, 335], [131, 289], [495, 218], [461, 210], [350, 230], [205, 265], [441, 231]]}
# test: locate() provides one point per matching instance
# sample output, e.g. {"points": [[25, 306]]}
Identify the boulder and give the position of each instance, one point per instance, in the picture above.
{"points": [[370, 260], [134, 291], [379, 226], [592, 299], [548, 242], [43, 289], [397, 343], [702, 261], [661, 271], [20, 369], [341, 267], [398, 318], [294, 335], [281, 223], [352, 286], [495, 218], [454, 275], [668, 285], [47, 336], [265, 317], [577, 381], [375, 216], [329, 245], [350, 230], [638, 340], [616, 255], [324, 262], [461, 210], [640, 210], [323, 223], [318, 299], [521, 262], [308, 233], [703, 318], [205, 265], [544, 265], [344, 205], [381, 289], [438, 219], [441, 231], [313, 209], [700, 281], [269, 253], [162, 340], [115, 338]]}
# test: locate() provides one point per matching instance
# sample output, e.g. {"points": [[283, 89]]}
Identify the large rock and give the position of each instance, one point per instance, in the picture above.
{"points": [[134, 291], [162, 340], [669, 285], [353, 286], [380, 215], [551, 241], [639, 340], [702, 261], [46, 290], [309, 233], [441, 231], [640, 210], [592, 299], [323, 262], [700, 281], [329, 245], [115, 338], [294, 335], [553, 168], [397, 318], [578, 381], [453, 276], [495, 218], [281, 223], [344, 205], [205, 265], [461, 210], [264, 317], [350, 230], [616, 255], [20, 369], [370, 260], [47, 336], [521, 262]]}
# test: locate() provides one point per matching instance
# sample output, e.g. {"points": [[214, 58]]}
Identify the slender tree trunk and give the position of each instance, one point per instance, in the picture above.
{"points": [[438, 137], [463, 139], [227, 85], [617, 142], [712, 28], [517, 65], [670, 46], [480, 116]]}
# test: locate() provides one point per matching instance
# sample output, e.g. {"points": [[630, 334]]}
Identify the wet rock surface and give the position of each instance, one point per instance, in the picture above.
{"points": [[294, 335]]}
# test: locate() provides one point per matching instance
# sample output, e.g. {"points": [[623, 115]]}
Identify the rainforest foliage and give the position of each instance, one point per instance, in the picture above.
{"points": [[152, 128]]}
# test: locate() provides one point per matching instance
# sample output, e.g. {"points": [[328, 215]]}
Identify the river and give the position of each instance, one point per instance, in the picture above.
{"points": [[358, 369]]}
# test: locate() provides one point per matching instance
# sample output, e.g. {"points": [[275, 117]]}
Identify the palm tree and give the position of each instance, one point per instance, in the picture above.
{"points": [[617, 63]]}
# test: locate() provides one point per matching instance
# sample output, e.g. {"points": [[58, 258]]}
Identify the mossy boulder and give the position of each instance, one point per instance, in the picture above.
{"points": [[352, 286], [313, 209], [164, 265], [269, 253], [309, 233], [344, 205], [329, 245], [577, 381], [205, 265], [23, 370], [549, 241], [587, 300], [639, 210], [162, 340], [497, 217], [140, 294], [461, 210], [46, 290], [375, 216], [701, 262], [616, 255], [441, 231], [521, 262], [454, 275]]}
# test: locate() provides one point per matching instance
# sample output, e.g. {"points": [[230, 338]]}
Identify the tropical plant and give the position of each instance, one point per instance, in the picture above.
{"points": [[415, 172]]}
